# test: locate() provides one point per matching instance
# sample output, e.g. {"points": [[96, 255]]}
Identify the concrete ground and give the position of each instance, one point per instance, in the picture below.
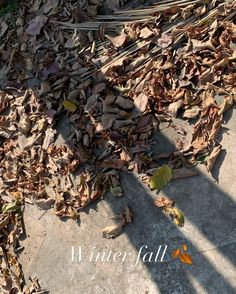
{"points": [[209, 233]]}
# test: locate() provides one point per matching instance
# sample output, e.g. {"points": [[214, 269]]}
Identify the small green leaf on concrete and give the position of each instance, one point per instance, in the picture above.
{"points": [[10, 207], [69, 105], [161, 177]]}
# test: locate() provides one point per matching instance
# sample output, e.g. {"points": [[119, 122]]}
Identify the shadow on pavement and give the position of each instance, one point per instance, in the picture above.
{"points": [[209, 214]]}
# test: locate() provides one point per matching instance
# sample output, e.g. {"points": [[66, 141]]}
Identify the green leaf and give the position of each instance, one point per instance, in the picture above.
{"points": [[176, 214], [203, 158], [161, 177], [10, 207], [69, 105]]}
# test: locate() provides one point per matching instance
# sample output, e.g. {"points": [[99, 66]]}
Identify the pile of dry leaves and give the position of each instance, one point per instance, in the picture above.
{"points": [[114, 79]]}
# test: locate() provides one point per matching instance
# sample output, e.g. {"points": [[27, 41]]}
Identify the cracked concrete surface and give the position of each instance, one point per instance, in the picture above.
{"points": [[209, 233]]}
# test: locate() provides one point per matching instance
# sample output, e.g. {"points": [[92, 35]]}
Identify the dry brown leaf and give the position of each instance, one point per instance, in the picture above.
{"points": [[192, 112], [52, 68], [124, 103], [3, 28], [183, 172], [118, 41], [4, 220], [49, 138], [35, 26], [199, 45], [228, 102], [145, 33], [212, 158], [99, 88], [26, 143], [49, 7], [163, 202], [113, 163], [112, 232], [127, 215], [206, 130], [108, 70], [106, 122], [141, 102], [165, 40], [175, 106]]}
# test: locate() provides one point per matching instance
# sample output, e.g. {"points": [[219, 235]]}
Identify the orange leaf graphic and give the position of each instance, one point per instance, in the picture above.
{"points": [[186, 258], [185, 247], [175, 253]]}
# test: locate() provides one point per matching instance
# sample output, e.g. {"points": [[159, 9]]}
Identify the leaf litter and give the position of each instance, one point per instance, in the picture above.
{"points": [[115, 78]]}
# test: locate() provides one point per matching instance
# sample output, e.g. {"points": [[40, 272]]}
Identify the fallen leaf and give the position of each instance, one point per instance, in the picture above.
{"points": [[165, 40], [119, 40], [52, 68], [106, 122], [145, 33], [183, 172], [70, 106], [112, 232], [109, 69], [185, 248], [124, 103], [140, 102], [191, 112], [127, 216], [228, 102], [199, 45], [113, 163], [10, 207], [175, 106], [3, 28], [186, 258], [49, 6], [99, 88], [44, 89], [176, 215], [161, 177], [163, 202], [35, 26], [212, 158], [48, 138], [26, 143], [71, 44], [175, 253], [4, 221]]}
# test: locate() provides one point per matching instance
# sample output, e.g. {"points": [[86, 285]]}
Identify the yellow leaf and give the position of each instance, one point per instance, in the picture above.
{"points": [[186, 258], [176, 215], [185, 247], [10, 207], [175, 253], [161, 177], [69, 105]]}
